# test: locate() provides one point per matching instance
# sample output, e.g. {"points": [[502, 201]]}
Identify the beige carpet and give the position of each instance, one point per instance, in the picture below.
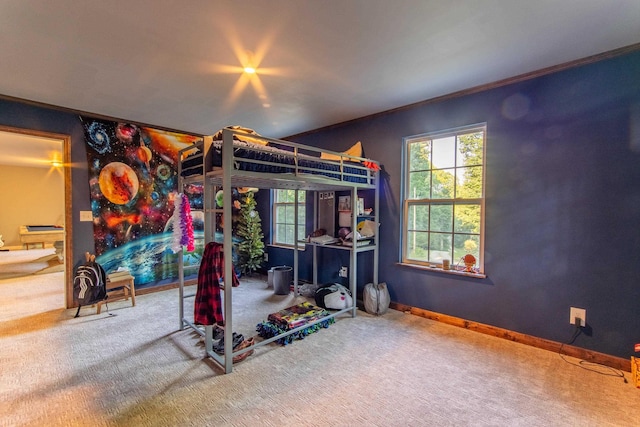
{"points": [[20, 263], [131, 366]]}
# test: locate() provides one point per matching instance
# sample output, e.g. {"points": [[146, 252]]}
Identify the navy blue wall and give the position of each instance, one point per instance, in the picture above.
{"points": [[279, 255], [562, 203], [329, 259]]}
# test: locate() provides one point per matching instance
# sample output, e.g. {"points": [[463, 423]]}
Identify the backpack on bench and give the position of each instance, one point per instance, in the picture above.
{"points": [[89, 283]]}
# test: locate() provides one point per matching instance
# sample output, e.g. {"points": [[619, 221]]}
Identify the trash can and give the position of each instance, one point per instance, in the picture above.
{"points": [[282, 277]]}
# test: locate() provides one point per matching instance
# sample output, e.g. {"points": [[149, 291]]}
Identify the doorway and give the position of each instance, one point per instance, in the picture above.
{"points": [[47, 156]]}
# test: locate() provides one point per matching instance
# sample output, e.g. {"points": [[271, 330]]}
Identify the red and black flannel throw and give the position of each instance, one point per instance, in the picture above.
{"points": [[208, 304]]}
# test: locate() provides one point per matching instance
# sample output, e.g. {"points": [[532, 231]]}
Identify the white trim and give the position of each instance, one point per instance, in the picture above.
{"points": [[407, 203]]}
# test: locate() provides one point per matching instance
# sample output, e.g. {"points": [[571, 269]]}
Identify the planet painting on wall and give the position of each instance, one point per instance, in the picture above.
{"points": [[133, 181], [234, 195], [125, 132], [119, 183], [144, 155], [219, 198]]}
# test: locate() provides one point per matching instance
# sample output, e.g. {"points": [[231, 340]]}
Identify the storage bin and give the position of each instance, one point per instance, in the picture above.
{"points": [[282, 277]]}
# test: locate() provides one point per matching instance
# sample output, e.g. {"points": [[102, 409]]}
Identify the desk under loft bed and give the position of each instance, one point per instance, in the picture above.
{"points": [[233, 158]]}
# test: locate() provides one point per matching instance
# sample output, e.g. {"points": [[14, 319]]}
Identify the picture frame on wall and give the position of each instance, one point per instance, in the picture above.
{"points": [[344, 203]]}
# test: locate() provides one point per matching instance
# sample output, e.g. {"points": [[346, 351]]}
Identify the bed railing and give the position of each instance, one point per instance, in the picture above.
{"points": [[273, 156]]}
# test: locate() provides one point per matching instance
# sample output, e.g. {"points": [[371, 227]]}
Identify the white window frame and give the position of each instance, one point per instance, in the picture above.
{"points": [[275, 205], [428, 203]]}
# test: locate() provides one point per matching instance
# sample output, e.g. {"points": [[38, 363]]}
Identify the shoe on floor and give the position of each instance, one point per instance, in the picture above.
{"points": [[246, 343], [218, 332], [219, 346]]}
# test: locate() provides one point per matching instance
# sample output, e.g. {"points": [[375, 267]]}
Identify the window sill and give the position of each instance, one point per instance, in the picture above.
{"points": [[438, 269]]}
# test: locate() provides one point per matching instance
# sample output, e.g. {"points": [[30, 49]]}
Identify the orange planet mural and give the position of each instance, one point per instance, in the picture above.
{"points": [[144, 154], [119, 183]]}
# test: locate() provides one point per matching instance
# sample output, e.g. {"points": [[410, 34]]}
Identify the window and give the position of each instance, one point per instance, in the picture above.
{"points": [[284, 216], [443, 197]]}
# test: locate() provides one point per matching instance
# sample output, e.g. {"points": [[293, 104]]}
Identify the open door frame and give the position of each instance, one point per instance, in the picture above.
{"points": [[68, 211]]}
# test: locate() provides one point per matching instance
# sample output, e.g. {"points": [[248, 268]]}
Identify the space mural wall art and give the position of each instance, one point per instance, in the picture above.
{"points": [[133, 181]]}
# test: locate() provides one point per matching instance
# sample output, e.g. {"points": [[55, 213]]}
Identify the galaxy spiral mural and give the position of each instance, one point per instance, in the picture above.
{"points": [[133, 181]]}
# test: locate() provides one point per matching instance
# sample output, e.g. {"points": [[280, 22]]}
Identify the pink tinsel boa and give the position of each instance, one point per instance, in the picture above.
{"points": [[182, 225]]}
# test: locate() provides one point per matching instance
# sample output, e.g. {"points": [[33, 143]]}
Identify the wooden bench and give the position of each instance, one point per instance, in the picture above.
{"points": [[118, 289]]}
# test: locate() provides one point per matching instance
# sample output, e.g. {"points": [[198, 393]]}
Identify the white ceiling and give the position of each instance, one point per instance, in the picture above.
{"points": [[176, 64], [29, 150]]}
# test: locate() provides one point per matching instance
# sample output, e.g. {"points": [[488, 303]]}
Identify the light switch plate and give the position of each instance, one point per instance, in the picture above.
{"points": [[86, 216]]}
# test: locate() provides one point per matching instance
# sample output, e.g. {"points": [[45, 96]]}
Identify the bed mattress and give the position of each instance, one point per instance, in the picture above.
{"points": [[274, 160]]}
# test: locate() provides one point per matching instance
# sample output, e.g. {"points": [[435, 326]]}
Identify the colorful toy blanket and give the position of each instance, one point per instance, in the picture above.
{"points": [[291, 318]]}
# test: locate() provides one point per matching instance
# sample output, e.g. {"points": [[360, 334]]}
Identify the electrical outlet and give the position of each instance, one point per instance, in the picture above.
{"points": [[343, 272], [578, 316]]}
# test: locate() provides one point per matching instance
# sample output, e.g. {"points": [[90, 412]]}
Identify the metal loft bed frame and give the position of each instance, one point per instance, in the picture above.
{"points": [[300, 175]]}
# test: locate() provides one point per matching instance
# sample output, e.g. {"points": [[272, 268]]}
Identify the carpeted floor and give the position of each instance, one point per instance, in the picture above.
{"points": [[132, 366], [20, 263]]}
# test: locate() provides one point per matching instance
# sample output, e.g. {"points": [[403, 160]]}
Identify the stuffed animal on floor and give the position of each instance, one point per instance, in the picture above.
{"points": [[333, 296]]}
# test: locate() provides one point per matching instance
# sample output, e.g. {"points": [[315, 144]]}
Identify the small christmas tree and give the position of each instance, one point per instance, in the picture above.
{"points": [[251, 247]]}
